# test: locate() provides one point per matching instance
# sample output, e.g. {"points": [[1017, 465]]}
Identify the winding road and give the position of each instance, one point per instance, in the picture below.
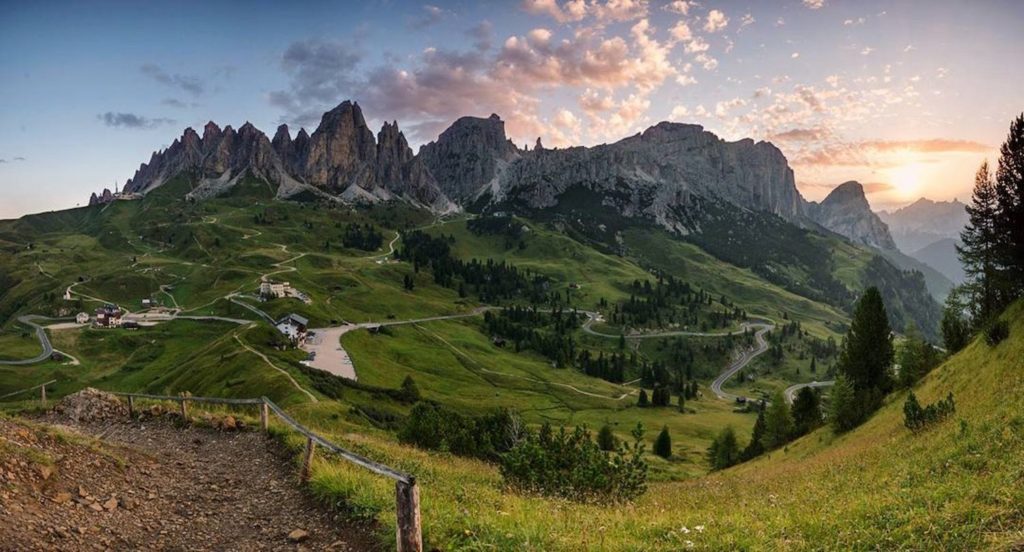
{"points": [[792, 390], [742, 361], [44, 340]]}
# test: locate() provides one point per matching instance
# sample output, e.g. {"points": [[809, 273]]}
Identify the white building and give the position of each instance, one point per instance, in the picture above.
{"points": [[82, 318], [271, 290], [294, 326]]}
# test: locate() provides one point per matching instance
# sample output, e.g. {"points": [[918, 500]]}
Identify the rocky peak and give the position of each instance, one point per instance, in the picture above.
{"points": [[282, 136], [210, 131], [846, 211], [469, 155], [539, 146]]}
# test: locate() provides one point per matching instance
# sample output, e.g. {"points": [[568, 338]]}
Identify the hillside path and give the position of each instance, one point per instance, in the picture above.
{"points": [[178, 489]]}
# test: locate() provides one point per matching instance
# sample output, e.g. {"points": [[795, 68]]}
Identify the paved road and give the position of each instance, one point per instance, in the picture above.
{"points": [[592, 317], [44, 340], [742, 361], [791, 391]]}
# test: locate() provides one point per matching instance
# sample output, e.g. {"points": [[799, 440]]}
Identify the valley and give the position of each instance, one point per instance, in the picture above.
{"points": [[444, 327]]}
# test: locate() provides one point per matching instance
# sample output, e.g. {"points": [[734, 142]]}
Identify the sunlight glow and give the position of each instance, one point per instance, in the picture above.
{"points": [[906, 180]]}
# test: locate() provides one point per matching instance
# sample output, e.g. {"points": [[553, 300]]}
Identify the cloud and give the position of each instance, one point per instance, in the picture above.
{"points": [[682, 7], [716, 21], [867, 50], [679, 112], [191, 84], [483, 35], [131, 120], [886, 153], [321, 72], [747, 20], [799, 135], [429, 16], [18, 158], [681, 31], [814, 4], [571, 11], [172, 102]]}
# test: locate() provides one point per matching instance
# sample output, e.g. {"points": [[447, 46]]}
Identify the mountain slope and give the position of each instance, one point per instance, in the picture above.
{"points": [[942, 255], [880, 486]]}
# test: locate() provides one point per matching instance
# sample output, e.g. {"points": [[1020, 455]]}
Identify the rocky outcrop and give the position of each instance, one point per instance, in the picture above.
{"points": [[340, 159], [468, 157], [106, 196], [658, 173], [846, 211]]}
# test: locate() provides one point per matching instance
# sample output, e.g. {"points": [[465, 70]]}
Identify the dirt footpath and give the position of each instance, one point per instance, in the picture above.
{"points": [[151, 485]]}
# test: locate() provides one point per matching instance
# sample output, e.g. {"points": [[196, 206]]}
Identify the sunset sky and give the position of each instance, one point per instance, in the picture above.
{"points": [[906, 97]]}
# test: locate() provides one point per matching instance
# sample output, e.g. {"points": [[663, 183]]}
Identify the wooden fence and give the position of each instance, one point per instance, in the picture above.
{"points": [[407, 493], [42, 391]]}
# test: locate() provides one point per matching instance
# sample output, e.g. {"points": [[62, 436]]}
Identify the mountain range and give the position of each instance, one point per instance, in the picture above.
{"points": [[659, 174], [929, 231]]}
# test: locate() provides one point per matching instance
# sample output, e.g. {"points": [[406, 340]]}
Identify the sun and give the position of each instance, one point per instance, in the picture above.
{"points": [[906, 180]]}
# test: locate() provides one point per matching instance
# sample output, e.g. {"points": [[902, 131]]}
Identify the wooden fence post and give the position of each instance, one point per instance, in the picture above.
{"points": [[264, 417], [307, 461], [407, 501], [42, 394], [184, 408], [131, 406]]}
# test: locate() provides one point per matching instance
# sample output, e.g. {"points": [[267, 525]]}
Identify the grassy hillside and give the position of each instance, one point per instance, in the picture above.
{"points": [[955, 486]]}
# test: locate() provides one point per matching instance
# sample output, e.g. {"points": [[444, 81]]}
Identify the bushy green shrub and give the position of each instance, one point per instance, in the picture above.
{"points": [[996, 332], [435, 427], [571, 465], [917, 418]]}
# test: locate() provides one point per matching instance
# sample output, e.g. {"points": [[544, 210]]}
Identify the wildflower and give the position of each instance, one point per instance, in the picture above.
{"points": [[699, 528], [684, 529], [689, 544]]}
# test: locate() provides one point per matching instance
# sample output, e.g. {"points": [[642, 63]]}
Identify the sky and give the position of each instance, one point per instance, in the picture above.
{"points": [[906, 97]]}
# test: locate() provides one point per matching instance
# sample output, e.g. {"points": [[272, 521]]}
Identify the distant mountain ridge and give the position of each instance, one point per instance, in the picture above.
{"points": [[659, 174], [929, 231]]}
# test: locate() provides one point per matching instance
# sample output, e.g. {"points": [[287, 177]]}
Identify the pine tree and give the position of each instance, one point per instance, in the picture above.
{"points": [[1009, 220], [844, 412], [724, 450], [682, 401], [814, 365], [956, 332], [754, 448], [606, 439], [663, 444], [643, 401], [979, 247], [806, 411], [778, 423], [867, 354]]}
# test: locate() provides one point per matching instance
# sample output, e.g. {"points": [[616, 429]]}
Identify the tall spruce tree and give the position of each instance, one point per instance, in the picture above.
{"points": [[724, 450], [755, 448], [867, 354], [1009, 220], [979, 248], [778, 423], [844, 412], [806, 411]]}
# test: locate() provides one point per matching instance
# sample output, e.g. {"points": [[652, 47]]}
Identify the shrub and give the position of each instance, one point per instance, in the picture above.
{"points": [[434, 427], [571, 465], [996, 332], [917, 418], [410, 392], [663, 444]]}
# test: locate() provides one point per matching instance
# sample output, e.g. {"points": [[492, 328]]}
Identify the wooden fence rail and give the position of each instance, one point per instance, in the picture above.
{"points": [[409, 533], [41, 387]]}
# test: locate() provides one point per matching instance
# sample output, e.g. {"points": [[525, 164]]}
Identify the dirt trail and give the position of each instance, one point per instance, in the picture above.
{"points": [[153, 486]]}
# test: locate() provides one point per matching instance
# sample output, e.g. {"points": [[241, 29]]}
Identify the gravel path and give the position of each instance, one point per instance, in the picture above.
{"points": [[154, 486]]}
